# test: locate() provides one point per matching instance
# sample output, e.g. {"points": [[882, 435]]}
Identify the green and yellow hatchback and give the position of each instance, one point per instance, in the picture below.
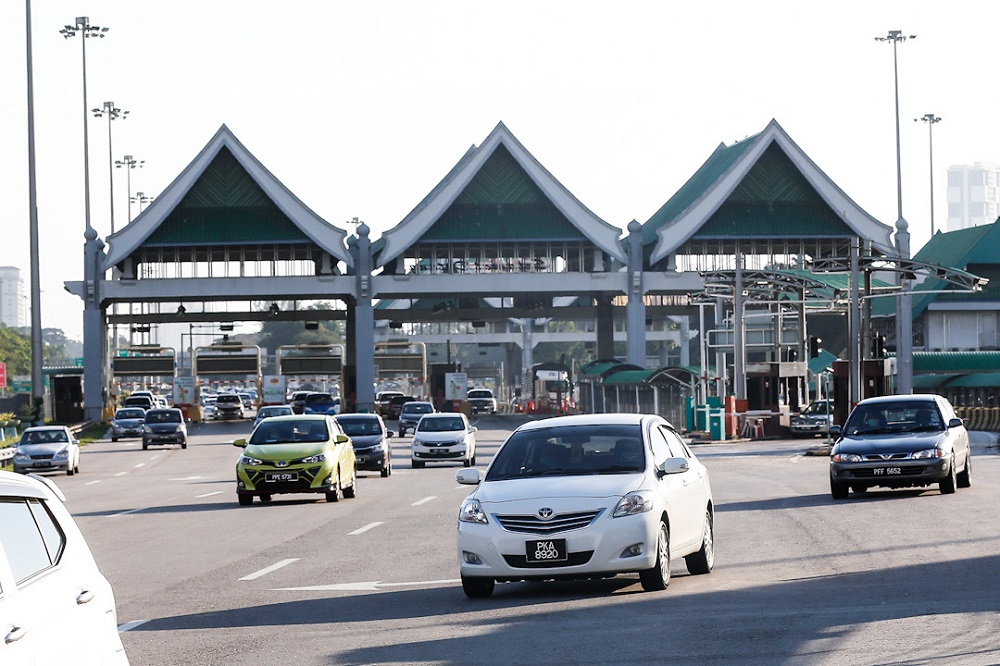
{"points": [[301, 453]]}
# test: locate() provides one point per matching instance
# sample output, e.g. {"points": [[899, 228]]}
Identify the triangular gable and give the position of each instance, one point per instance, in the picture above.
{"points": [[415, 225], [132, 236], [711, 187]]}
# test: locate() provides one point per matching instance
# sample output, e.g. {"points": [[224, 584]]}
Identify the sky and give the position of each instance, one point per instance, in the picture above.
{"points": [[360, 108]]}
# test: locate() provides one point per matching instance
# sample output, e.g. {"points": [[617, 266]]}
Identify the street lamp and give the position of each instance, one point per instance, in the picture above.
{"points": [[37, 389], [86, 31], [113, 113], [904, 310], [141, 198], [129, 163], [930, 119]]}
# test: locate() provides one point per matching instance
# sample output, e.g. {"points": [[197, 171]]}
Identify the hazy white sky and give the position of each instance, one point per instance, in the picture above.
{"points": [[361, 107]]}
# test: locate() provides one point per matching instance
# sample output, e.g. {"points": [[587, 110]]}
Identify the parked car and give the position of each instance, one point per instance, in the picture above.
{"points": [[382, 400], [267, 411], [164, 426], [228, 406], [371, 441], [320, 403], [900, 441], [55, 607], [127, 422], [482, 401], [443, 437], [586, 496], [47, 449], [815, 419], [410, 414], [297, 399], [302, 453]]}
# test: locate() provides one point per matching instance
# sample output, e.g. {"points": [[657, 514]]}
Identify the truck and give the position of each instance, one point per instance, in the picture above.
{"points": [[482, 401]]}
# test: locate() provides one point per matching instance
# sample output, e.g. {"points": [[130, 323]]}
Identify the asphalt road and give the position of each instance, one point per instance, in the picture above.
{"points": [[905, 577]]}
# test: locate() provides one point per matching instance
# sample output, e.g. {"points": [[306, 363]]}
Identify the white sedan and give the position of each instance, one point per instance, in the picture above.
{"points": [[586, 497]]}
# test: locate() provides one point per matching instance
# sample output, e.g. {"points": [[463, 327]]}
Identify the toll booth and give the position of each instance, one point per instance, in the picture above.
{"points": [[877, 378], [773, 390]]}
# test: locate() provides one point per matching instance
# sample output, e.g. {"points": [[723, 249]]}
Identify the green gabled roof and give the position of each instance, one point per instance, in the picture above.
{"points": [[630, 377], [956, 362], [822, 362], [224, 206], [714, 167], [774, 199], [976, 380], [502, 202], [931, 381]]}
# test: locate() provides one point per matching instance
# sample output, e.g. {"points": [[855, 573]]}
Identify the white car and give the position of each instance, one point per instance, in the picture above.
{"points": [[443, 437], [55, 605], [586, 496], [47, 449]]}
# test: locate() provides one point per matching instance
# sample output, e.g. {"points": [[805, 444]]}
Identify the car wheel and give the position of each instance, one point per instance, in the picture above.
{"points": [[145, 446], [839, 490], [245, 500], [334, 495], [658, 577], [386, 471], [417, 464], [703, 561], [114, 439], [184, 443], [351, 491], [69, 470], [477, 588], [265, 498], [964, 477], [473, 462], [948, 483], [859, 489]]}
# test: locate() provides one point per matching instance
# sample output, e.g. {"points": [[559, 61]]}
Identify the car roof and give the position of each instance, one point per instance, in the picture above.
{"points": [[44, 428], [163, 409], [417, 403], [358, 417], [438, 415], [298, 417], [588, 420], [908, 397], [21, 485]]}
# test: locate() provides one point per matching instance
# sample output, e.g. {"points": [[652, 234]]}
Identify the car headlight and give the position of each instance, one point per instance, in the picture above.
{"points": [[472, 512], [928, 453], [318, 458], [377, 448], [146, 429], [22, 457], [633, 503], [847, 458], [61, 455], [247, 460]]}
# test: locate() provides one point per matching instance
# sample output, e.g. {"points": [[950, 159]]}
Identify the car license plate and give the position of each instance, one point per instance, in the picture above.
{"points": [[281, 476], [550, 550], [439, 450], [888, 471]]}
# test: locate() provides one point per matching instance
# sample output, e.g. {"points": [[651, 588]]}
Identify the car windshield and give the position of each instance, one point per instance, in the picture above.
{"points": [[570, 451], [231, 399], [820, 407], [289, 432], [43, 436], [411, 408], [129, 414], [480, 394], [317, 399], [444, 424], [154, 416], [892, 417], [360, 426]]}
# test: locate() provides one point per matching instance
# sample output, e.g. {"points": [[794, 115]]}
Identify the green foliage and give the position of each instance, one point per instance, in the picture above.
{"points": [[274, 334], [15, 351]]}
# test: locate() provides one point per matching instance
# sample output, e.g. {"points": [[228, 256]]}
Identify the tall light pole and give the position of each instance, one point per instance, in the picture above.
{"points": [[113, 113], [141, 198], [86, 31], [37, 389], [930, 119], [904, 309], [129, 163]]}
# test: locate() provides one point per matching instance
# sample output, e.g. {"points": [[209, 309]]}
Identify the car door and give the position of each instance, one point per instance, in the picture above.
{"points": [[16, 641], [674, 489]]}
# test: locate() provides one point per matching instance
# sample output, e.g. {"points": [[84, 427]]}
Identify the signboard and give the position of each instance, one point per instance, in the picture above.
{"points": [[184, 391], [273, 390], [456, 385], [3, 375]]}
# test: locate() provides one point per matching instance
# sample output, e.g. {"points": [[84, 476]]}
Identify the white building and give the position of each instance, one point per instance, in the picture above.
{"points": [[13, 298], [973, 195]]}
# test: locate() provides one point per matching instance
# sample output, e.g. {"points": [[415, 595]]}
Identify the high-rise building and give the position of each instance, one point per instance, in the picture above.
{"points": [[973, 195], [13, 298]]}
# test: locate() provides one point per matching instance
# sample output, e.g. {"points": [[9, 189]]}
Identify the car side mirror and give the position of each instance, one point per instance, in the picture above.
{"points": [[674, 466], [340, 439], [468, 476], [390, 433], [242, 443], [473, 429], [835, 431], [955, 423]]}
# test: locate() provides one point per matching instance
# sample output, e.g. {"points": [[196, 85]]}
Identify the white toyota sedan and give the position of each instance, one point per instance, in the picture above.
{"points": [[55, 605], [587, 496]]}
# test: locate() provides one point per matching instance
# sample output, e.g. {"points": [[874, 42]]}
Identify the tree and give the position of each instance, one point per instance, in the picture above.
{"points": [[15, 351]]}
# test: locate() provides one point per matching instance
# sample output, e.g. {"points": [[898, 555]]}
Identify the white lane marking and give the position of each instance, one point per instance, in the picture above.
{"points": [[188, 478], [362, 530], [90, 483], [121, 473], [140, 465], [217, 492], [369, 586], [424, 500], [267, 570], [125, 513], [128, 626]]}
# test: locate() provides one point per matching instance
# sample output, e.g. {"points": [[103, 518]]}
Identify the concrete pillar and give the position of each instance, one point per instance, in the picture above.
{"points": [[95, 356], [635, 309], [364, 321]]}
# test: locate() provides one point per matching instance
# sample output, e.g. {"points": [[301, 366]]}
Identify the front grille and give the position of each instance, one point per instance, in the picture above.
{"points": [[306, 477], [572, 560], [876, 457], [47, 456], [560, 522]]}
